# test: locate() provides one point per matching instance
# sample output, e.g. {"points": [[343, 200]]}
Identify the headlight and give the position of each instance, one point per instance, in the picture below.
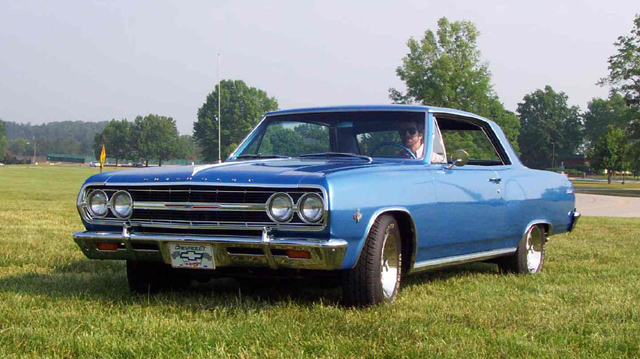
{"points": [[280, 207], [98, 203], [311, 207], [122, 204]]}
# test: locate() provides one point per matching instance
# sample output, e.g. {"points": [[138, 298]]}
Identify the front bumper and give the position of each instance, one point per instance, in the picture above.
{"points": [[228, 251]]}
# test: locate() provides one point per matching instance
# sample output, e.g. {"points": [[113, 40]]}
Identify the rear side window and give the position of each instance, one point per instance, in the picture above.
{"points": [[475, 138]]}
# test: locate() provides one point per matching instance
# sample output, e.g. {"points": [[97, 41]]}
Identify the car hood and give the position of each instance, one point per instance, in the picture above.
{"points": [[272, 171]]}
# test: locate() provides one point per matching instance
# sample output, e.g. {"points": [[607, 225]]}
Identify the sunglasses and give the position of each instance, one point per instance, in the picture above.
{"points": [[411, 130]]}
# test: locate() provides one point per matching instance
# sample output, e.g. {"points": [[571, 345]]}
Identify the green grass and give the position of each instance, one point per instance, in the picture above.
{"points": [[54, 303]]}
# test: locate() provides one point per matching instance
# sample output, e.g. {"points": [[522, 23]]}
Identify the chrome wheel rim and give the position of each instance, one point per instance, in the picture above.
{"points": [[535, 241], [389, 264]]}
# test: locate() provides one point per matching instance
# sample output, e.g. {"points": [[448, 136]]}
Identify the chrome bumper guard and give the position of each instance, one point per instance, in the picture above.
{"points": [[325, 255], [575, 216]]}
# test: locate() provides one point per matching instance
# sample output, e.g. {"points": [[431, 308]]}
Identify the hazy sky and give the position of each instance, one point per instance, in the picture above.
{"points": [[98, 60]]}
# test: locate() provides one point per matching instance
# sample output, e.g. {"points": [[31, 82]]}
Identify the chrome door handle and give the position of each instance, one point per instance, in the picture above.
{"points": [[495, 180]]}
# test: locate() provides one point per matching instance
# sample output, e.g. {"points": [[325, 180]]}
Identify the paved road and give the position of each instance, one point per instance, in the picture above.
{"points": [[594, 205]]}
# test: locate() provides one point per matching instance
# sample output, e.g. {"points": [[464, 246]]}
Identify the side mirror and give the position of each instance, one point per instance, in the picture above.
{"points": [[459, 159]]}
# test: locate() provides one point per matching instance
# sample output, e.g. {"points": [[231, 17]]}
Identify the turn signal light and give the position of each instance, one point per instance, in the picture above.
{"points": [[107, 246], [293, 253]]}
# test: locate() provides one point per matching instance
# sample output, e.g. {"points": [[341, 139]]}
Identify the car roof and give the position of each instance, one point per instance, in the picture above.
{"points": [[363, 108]]}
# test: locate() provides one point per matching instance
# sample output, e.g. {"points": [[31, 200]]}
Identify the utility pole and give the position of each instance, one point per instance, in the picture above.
{"points": [[219, 116]]}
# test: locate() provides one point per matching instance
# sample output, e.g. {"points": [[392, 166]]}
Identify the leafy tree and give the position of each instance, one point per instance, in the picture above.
{"points": [[3, 140], [611, 153], [117, 139], [624, 66], [241, 107], [156, 137], [604, 112], [445, 69], [624, 77], [551, 131]]}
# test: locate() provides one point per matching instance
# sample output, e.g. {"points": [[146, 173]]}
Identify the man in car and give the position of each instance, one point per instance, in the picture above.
{"points": [[412, 137]]}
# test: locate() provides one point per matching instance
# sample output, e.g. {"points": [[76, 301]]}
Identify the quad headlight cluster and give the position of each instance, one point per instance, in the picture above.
{"points": [[310, 207], [120, 204]]}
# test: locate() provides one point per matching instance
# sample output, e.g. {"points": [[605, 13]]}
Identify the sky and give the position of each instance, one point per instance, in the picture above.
{"points": [[100, 60]]}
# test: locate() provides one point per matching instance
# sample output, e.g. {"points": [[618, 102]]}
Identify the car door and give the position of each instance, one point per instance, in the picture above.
{"points": [[469, 216], [470, 212]]}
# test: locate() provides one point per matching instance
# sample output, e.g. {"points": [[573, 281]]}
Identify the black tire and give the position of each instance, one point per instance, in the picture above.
{"points": [[152, 277], [363, 285], [524, 261]]}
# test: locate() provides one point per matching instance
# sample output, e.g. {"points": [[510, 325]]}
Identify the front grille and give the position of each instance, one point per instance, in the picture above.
{"points": [[201, 216], [205, 207]]}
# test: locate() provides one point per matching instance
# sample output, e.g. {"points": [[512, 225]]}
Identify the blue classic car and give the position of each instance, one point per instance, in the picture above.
{"points": [[360, 195]]}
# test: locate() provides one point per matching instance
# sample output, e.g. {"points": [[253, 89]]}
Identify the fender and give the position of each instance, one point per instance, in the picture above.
{"points": [[374, 217]]}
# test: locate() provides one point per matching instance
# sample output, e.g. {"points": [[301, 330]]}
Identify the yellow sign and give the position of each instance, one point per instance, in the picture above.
{"points": [[103, 157]]}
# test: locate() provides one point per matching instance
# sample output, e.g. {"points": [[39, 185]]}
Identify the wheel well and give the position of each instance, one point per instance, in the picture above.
{"points": [[548, 230], [408, 235]]}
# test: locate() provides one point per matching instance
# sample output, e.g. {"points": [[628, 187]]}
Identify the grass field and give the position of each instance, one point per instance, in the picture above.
{"points": [[54, 303]]}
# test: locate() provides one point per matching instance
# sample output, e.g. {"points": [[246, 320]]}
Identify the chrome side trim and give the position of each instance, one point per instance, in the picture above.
{"points": [[441, 262]]}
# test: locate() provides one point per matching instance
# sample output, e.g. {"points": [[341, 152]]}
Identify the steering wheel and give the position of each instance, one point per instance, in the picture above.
{"points": [[394, 145]]}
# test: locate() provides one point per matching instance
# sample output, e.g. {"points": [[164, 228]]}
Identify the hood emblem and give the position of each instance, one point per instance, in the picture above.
{"points": [[357, 216]]}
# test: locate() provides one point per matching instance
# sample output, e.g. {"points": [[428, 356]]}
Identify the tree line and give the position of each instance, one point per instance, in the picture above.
{"points": [[65, 137], [152, 137]]}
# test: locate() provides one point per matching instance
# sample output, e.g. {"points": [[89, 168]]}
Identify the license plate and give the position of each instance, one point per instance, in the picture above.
{"points": [[189, 255]]}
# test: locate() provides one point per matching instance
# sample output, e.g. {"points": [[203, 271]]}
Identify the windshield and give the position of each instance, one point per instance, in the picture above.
{"points": [[380, 134]]}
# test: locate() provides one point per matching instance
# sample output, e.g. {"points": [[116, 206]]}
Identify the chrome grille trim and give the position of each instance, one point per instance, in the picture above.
{"points": [[184, 206], [200, 206]]}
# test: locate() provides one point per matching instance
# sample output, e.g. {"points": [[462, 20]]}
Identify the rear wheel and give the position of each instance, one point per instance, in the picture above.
{"points": [[152, 277], [529, 257], [376, 276]]}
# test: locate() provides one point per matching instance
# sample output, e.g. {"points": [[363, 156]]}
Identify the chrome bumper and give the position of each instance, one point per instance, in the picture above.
{"points": [[227, 251], [575, 216]]}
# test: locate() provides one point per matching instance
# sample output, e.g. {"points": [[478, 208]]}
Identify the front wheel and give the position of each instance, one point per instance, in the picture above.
{"points": [[529, 257], [376, 276]]}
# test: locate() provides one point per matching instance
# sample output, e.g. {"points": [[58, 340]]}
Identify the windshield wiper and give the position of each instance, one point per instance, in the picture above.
{"points": [[338, 154], [262, 155]]}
